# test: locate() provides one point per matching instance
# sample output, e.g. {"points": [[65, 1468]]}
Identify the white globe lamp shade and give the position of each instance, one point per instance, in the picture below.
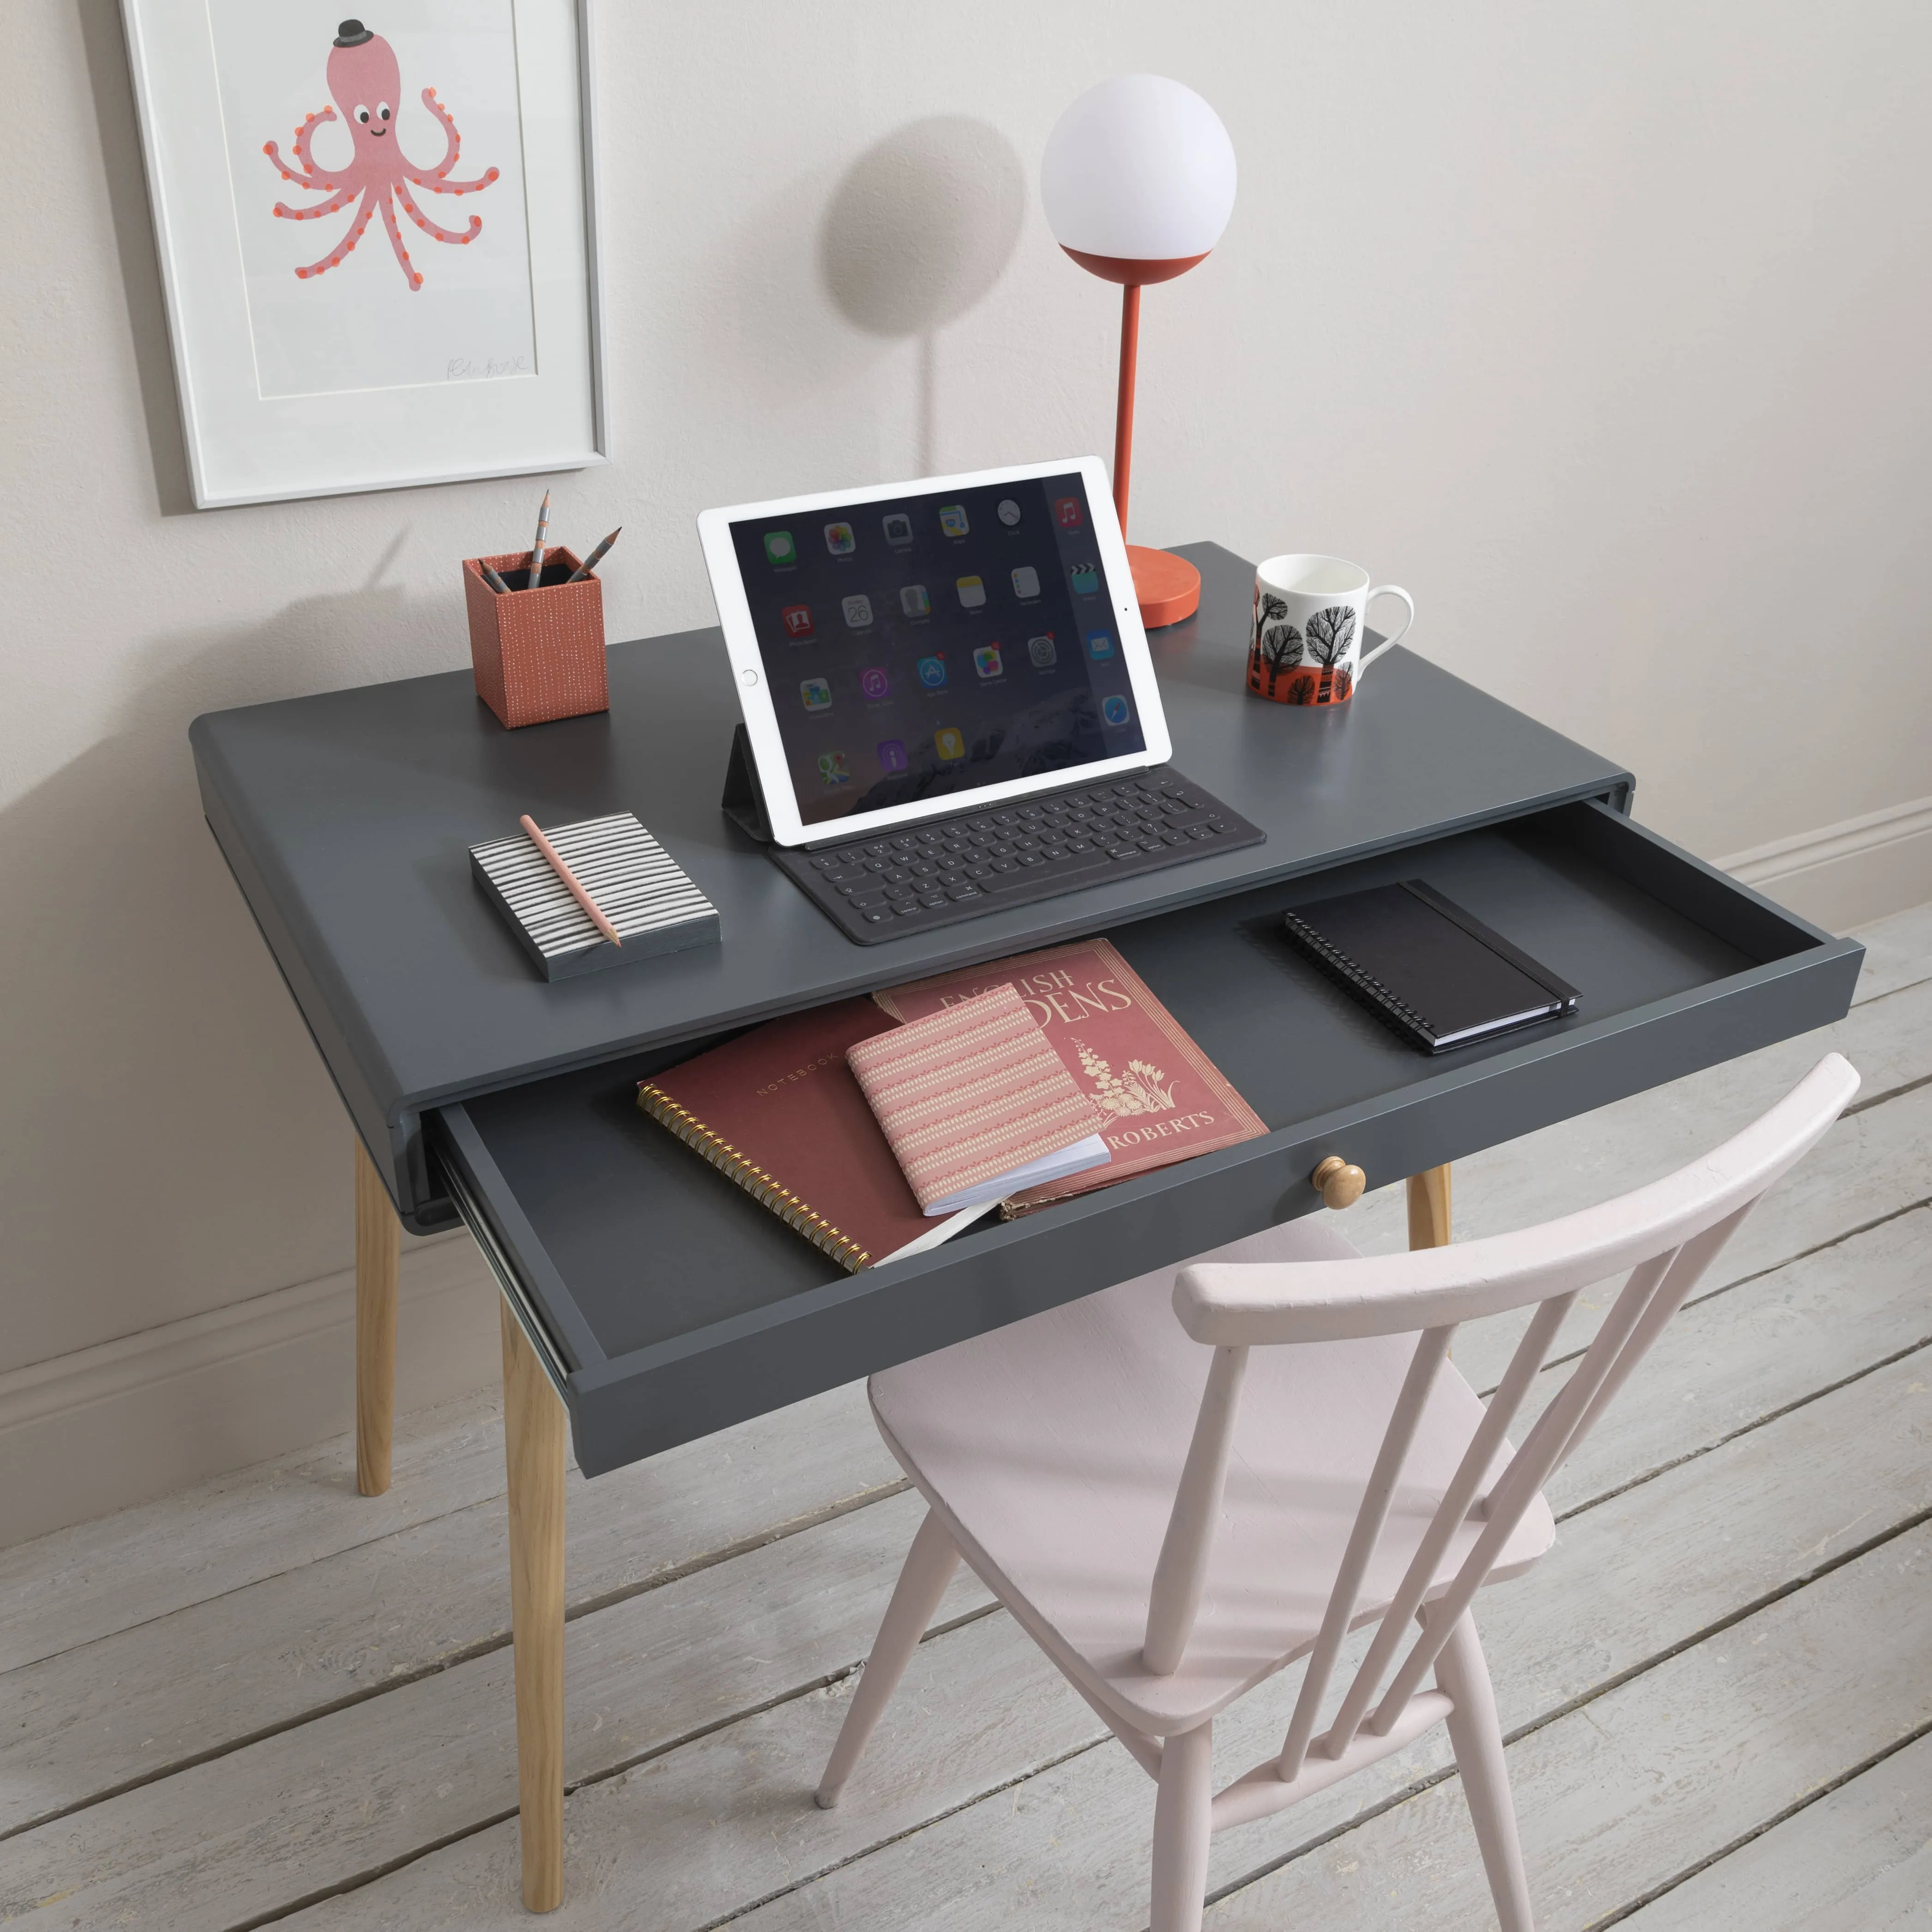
{"points": [[1137, 180]]}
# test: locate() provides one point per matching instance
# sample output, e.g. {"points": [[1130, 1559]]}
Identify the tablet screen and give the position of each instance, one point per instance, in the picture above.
{"points": [[931, 644]]}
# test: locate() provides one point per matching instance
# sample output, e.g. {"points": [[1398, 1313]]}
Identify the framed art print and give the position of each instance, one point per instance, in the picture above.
{"points": [[377, 238]]}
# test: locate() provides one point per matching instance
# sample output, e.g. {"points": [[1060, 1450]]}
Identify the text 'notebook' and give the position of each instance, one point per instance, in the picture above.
{"points": [[1434, 973]]}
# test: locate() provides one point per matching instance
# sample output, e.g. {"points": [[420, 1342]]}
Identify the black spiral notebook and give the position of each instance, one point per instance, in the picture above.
{"points": [[1435, 973]]}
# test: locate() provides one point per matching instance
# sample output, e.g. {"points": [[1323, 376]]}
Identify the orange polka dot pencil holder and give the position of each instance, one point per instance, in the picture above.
{"points": [[1305, 641], [537, 654]]}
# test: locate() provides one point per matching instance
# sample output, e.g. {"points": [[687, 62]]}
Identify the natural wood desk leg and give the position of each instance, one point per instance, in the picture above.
{"points": [[533, 1428], [1429, 1208], [379, 1260]]}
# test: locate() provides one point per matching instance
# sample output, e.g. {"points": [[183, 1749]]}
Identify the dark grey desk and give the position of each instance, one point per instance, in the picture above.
{"points": [[659, 1302]]}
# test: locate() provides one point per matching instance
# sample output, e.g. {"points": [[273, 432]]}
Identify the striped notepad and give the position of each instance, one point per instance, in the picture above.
{"points": [[975, 1103], [639, 887]]}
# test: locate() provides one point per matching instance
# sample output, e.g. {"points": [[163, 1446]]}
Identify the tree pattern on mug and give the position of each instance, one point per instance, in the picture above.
{"points": [[1277, 644], [1331, 635]]}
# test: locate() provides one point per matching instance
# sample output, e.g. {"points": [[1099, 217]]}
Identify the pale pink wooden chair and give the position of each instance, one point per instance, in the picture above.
{"points": [[1170, 1549]]}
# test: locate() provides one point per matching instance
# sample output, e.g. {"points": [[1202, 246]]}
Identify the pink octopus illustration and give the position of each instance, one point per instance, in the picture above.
{"points": [[367, 86]]}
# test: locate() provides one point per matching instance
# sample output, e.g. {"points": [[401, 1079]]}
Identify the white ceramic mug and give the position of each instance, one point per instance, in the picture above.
{"points": [[1305, 643]]}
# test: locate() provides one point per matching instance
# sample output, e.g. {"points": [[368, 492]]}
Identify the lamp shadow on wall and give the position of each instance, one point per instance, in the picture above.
{"points": [[918, 230]]}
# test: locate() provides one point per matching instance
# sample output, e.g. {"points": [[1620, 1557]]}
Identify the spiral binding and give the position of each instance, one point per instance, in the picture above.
{"points": [[1351, 978], [752, 1178]]}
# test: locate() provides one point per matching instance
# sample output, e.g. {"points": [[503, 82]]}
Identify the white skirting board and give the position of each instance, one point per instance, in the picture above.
{"points": [[1842, 875], [129, 1420]]}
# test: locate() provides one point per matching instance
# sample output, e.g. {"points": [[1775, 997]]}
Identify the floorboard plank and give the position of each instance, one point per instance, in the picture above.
{"points": [[115, 1572], [1898, 952], [1859, 1859]]}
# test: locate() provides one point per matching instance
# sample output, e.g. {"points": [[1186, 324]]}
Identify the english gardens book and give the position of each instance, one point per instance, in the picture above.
{"points": [[1164, 1099]]}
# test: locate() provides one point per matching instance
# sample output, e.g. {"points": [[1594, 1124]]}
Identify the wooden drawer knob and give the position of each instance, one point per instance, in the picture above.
{"points": [[1338, 1183]]}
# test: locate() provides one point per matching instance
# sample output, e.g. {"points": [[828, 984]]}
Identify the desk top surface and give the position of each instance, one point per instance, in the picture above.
{"points": [[347, 818]]}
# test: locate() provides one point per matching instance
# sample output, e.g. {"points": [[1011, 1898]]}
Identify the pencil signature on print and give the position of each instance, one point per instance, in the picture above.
{"points": [[461, 369]]}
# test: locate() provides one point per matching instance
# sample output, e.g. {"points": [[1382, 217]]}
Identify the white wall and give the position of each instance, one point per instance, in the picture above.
{"points": [[1601, 328]]}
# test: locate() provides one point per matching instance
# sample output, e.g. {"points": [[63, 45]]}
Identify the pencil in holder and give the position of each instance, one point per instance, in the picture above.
{"points": [[538, 654]]}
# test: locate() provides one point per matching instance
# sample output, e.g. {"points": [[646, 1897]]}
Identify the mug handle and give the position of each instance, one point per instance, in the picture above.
{"points": [[1385, 590]]}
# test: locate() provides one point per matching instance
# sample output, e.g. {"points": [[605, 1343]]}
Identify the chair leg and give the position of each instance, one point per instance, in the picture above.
{"points": [[1477, 1736], [1182, 1826], [379, 1260], [929, 1566]]}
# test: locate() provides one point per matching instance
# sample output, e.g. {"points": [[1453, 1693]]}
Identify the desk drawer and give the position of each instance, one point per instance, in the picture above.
{"points": [[668, 1303]]}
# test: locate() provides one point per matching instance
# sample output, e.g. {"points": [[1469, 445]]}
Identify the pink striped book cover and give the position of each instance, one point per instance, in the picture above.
{"points": [[971, 1093]]}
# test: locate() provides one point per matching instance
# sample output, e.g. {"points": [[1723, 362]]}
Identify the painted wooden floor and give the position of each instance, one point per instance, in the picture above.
{"points": [[268, 1701]]}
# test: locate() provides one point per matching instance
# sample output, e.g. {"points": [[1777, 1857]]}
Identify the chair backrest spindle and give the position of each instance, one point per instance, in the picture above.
{"points": [[1525, 1365], [1181, 1574], [1432, 1348], [1543, 1449]]}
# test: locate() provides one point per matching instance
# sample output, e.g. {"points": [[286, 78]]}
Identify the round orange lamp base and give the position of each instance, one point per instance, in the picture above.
{"points": [[1168, 587]]}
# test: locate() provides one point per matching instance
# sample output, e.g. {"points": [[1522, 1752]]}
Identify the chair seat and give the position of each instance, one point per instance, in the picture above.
{"points": [[1052, 1449]]}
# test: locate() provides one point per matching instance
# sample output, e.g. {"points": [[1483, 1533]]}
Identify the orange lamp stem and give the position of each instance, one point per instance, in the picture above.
{"points": [[1124, 411]]}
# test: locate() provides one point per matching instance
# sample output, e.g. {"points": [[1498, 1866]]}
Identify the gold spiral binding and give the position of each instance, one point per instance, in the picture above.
{"points": [[752, 1178]]}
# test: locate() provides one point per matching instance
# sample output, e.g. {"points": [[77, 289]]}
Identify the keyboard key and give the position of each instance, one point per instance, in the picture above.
{"points": [[959, 894], [933, 899], [1174, 838], [982, 872], [1053, 852], [898, 876], [1006, 865], [877, 918], [1150, 845]]}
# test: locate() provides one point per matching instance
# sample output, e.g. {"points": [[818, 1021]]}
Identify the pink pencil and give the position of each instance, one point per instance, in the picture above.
{"points": [[569, 878]]}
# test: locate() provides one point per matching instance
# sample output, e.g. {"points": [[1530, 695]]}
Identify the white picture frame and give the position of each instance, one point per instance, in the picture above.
{"points": [[402, 362], [753, 686]]}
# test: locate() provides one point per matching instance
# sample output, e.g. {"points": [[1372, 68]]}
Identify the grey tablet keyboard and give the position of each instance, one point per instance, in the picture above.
{"points": [[958, 868]]}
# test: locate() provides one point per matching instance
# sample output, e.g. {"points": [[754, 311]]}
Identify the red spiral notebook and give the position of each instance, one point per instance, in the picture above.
{"points": [[1163, 1099], [779, 1110]]}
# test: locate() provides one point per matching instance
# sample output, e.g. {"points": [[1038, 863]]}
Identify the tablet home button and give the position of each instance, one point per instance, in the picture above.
{"points": [[748, 677]]}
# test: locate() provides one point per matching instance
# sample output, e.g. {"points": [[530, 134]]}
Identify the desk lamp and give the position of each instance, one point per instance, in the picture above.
{"points": [[1138, 181]]}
